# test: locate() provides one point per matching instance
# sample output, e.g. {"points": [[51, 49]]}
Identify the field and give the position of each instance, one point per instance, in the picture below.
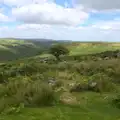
{"points": [[91, 48], [42, 88]]}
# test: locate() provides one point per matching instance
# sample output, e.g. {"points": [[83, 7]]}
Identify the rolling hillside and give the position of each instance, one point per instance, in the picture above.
{"points": [[11, 49]]}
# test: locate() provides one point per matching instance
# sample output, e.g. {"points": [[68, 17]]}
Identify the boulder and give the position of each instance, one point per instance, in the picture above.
{"points": [[118, 54], [71, 84], [68, 98], [51, 82], [106, 58], [93, 84]]}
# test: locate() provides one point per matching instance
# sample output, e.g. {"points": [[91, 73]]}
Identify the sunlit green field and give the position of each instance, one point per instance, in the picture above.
{"points": [[92, 106], [89, 48]]}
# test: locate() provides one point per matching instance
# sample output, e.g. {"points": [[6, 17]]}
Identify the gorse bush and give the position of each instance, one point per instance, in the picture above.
{"points": [[116, 101], [30, 93], [43, 96], [23, 70], [96, 83], [110, 68], [103, 83]]}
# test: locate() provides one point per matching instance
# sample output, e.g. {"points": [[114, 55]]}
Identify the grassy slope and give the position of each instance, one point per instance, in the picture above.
{"points": [[77, 48], [14, 49], [89, 48]]}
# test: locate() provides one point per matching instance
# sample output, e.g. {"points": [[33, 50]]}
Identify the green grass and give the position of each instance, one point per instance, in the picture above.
{"points": [[89, 48], [92, 106], [45, 55]]}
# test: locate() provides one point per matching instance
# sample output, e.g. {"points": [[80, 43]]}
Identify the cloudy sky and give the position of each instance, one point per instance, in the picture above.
{"points": [[82, 20]]}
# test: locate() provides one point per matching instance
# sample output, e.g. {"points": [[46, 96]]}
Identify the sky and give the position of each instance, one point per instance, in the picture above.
{"points": [[79, 20]]}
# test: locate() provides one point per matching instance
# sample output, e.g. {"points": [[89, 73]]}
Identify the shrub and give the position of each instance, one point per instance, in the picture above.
{"points": [[65, 65], [58, 50], [58, 83], [44, 95], [116, 101], [2, 78], [30, 93], [96, 83], [103, 83]]}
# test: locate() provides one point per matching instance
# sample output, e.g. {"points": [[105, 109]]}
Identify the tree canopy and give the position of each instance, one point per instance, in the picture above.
{"points": [[58, 50]]}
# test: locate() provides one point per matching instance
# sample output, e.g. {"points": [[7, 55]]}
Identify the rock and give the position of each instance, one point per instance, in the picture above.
{"points": [[118, 54], [93, 84], [106, 58], [67, 98], [51, 82], [71, 84]]}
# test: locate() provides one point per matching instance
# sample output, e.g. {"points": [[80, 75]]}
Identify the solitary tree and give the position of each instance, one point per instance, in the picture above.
{"points": [[58, 50]]}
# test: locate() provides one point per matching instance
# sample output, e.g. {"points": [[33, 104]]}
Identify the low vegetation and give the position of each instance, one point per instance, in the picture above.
{"points": [[42, 87]]}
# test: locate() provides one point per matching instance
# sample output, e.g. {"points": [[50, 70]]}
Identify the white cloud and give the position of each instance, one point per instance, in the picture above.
{"points": [[45, 19], [33, 27], [4, 18], [61, 33], [49, 13], [99, 4], [108, 25]]}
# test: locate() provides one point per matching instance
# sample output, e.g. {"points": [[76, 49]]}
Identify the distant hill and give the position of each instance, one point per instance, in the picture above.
{"points": [[11, 49]]}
